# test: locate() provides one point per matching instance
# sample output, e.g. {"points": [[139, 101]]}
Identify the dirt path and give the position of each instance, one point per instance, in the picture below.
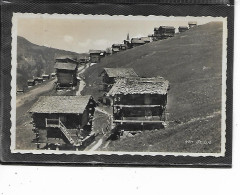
{"points": [[82, 84], [33, 94]]}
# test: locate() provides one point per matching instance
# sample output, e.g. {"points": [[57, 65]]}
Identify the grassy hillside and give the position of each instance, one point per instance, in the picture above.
{"points": [[191, 61], [35, 60]]}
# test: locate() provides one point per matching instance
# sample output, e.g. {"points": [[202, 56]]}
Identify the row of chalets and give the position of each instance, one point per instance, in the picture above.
{"points": [[67, 121]]}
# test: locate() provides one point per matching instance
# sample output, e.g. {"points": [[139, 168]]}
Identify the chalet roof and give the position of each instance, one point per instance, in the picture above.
{"points": [[115, 49], [156, 85], [168, 27], [146, 39], [183, 27], [73, 59], [137, 40], [95, 51], [120, 72], [192, 22], [116, 45], [60, 104], [65, 57], [30, 80], [65, 66]]}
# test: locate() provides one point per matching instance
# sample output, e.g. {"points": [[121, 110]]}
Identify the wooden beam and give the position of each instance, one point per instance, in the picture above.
{"points": [[135, 106], [136, 121]]}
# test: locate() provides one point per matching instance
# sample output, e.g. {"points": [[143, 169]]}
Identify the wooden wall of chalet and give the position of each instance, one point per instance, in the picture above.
{"points": [[140, 99], [107, 81], [71, 121], [95, 58], [66, 77]]}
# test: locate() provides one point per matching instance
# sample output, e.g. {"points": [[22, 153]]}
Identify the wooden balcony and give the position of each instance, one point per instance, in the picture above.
{"points": [[52, 122]]}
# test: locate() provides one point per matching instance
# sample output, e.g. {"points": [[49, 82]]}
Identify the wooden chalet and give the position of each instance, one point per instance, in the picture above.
{"points": [[146, 39], [163, 32], [31, 83], [46, 77], [137, 42], [116, 48], [102, 54], [83, 60], [139, 103], [38, 80], [192, 24], [95, 56], [63, 121], [53, 75], [128, 44], [110, 75], [182, 29], [66, 71]]}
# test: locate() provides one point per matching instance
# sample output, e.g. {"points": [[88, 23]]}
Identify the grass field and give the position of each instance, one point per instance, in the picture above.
{"points": [[192, 62]]}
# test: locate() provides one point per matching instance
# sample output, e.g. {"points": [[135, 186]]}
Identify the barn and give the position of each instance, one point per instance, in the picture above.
{"points": [[66, 71], [109, 76], [61, 121], [139, 103]]}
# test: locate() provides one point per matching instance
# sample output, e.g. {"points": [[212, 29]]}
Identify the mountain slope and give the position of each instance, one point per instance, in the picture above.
{"points": [[35, 60], [192, 62]]}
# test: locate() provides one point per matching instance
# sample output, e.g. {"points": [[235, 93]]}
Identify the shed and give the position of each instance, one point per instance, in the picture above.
{"points": [[62, 120]]}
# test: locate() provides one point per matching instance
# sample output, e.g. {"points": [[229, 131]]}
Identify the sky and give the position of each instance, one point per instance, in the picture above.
{"points": [[80, 33]]}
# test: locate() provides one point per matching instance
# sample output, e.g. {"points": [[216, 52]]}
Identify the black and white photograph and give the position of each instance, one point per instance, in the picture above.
{"points": [[101, 84]]}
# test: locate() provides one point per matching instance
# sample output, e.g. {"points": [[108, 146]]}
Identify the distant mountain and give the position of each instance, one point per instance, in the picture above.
{"points": [[35, 60]]}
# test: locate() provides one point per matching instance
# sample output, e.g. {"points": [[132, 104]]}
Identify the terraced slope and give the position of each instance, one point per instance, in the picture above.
{"points": [[192, 62]]}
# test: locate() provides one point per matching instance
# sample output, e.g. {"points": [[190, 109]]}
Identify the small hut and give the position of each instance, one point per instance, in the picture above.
{"points": [[63, 120]]}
